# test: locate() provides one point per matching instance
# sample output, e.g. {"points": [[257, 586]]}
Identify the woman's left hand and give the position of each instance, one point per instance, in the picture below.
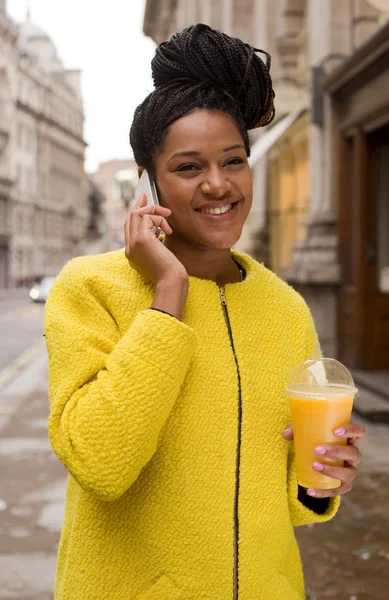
{"points": [[349, 453]]}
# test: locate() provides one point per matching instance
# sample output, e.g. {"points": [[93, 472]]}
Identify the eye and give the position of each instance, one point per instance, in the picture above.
{"points": [[188, 167], [235, 161]]}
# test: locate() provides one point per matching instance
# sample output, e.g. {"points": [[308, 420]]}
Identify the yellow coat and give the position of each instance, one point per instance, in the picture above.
{"points": [[180, 487]]}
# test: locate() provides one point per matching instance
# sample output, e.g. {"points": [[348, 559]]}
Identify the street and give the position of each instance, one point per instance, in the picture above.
{"points": [[21, 326], [32, 488], [346, 559]]}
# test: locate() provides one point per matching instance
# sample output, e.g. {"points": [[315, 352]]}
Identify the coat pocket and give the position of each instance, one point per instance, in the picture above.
{"points": [[162, 589]]}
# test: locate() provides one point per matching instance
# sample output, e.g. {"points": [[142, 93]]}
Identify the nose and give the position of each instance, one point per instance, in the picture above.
{"points": [[215, 183]]}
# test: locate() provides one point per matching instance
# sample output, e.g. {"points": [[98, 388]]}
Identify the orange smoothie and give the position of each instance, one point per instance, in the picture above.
{"points": [[316, 413]]}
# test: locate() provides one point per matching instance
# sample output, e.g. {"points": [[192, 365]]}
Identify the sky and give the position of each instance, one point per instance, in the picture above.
{"points": [[106, 41]]}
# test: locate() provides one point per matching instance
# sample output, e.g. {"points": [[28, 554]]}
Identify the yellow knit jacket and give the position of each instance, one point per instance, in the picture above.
{"points": [[181, 486]]}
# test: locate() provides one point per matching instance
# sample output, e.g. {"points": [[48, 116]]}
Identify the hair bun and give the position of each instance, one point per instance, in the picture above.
{"points": [[207, 56]]}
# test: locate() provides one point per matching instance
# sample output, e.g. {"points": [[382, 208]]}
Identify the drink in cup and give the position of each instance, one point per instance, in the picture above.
{"points": [[321, 394]]}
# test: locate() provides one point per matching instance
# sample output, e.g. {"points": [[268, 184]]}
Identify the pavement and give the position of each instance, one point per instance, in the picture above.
{"points": [[373, 401], [346, 559], [32, 488], [21, 326]]}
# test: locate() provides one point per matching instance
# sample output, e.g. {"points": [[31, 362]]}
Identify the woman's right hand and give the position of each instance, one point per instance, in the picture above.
{"points": [[151, 258], [144, 250]]}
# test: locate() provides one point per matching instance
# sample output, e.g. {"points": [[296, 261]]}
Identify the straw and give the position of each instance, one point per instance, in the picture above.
{"points": [[317, 369], [317, 352]]}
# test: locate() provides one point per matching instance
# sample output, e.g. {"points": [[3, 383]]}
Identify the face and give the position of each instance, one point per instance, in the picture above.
{"points": [[203, 176]]}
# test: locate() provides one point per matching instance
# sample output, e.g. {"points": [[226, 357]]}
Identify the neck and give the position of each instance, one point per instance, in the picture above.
{"points": [[205, 263]]}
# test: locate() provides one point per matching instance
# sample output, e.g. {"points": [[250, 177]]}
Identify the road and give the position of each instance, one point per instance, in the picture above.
{"points": [[21, 326]]}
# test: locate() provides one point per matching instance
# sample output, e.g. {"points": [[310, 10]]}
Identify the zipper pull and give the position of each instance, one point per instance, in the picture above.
{"points": [[222, 296]]}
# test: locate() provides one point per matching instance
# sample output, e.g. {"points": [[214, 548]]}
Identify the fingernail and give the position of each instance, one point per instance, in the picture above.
{"points": [[318, 466], [311, 493], [320, 450], [340, 432]]}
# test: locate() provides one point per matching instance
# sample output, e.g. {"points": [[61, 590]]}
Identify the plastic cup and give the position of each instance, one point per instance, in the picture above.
{"points": [[321, 394]]}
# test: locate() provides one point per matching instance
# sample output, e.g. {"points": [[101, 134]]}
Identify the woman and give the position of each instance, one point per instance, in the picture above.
{"points": [[168, 363]]}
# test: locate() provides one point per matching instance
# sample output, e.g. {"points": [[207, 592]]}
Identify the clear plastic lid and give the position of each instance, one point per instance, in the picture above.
{"points": [[321, 378]]}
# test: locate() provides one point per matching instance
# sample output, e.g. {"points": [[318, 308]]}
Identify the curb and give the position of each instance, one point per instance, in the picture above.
{"points": [[22, 362]]}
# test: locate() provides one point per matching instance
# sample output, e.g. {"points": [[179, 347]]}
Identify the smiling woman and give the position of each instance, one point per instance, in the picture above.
{"points": [[168, 363]]}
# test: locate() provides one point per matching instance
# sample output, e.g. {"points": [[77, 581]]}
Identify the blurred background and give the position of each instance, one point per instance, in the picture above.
{"points": [[71, 75]]}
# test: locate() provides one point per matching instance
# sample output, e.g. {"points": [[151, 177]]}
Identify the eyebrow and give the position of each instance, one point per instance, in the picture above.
{"points": [[197, 153]]}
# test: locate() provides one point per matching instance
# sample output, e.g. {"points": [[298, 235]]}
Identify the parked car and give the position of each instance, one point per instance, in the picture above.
{"points": [[40, 290]]}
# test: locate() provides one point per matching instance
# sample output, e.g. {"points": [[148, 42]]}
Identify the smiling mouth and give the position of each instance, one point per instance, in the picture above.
{"points": [[219, 210]]}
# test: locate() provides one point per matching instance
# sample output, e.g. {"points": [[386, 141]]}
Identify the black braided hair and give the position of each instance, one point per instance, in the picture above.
{"points": [[201, 67]]}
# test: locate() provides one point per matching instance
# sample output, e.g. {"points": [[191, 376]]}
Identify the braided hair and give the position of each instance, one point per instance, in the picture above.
{"points": [[201, 67]]}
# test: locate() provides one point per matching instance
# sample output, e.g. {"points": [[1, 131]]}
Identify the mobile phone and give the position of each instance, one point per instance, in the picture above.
{"points": [[146, 185]]}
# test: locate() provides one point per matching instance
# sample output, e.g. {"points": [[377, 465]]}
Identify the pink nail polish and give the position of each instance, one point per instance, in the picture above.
{"points": [[320, 450], [311, 493], [318, 466], [340, 432]]}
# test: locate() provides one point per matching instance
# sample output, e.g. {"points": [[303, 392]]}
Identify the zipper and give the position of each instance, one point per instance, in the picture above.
{"points": [[238, 453]]}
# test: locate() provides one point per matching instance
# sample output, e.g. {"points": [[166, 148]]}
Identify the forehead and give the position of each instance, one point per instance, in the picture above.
{"points": [[200, 130]]}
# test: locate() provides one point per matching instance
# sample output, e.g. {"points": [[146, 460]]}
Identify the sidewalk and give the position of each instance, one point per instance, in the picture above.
{"points": [[346, 559], [6, 294], [32, 488], [373, 401]]}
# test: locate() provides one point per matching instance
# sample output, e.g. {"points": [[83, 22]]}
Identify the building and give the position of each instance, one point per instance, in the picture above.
{"points": [[314, 221], [117, 181], [357, 93], [8, 54], [43, 185]]}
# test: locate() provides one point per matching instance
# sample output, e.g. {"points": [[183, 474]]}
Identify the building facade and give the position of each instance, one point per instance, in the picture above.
{"points": [[117, 180], [43, 186], [358, 93], [298, 224], [8, 53]]}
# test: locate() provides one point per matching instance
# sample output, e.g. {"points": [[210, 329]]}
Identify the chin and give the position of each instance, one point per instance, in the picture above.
{"points": [[222, 241]]}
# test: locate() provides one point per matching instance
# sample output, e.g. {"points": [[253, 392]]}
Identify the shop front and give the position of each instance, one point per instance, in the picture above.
{"points": [[360, 94]]}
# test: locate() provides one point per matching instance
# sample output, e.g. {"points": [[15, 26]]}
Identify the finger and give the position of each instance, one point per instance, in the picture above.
{"points": [[344, 474], [127, 236], [356, 432], [345, 488], [136, 215], [287, 434], [150, 221], [154, 209], [134, 220], [336, 452], [142, 201]]}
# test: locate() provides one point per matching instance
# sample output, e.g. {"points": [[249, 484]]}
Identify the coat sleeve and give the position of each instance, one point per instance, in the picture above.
{"points": [[110, 396], [301, 514]]}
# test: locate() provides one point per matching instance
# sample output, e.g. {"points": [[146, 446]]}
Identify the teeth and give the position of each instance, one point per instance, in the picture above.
{"points": [[216, 211]]}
